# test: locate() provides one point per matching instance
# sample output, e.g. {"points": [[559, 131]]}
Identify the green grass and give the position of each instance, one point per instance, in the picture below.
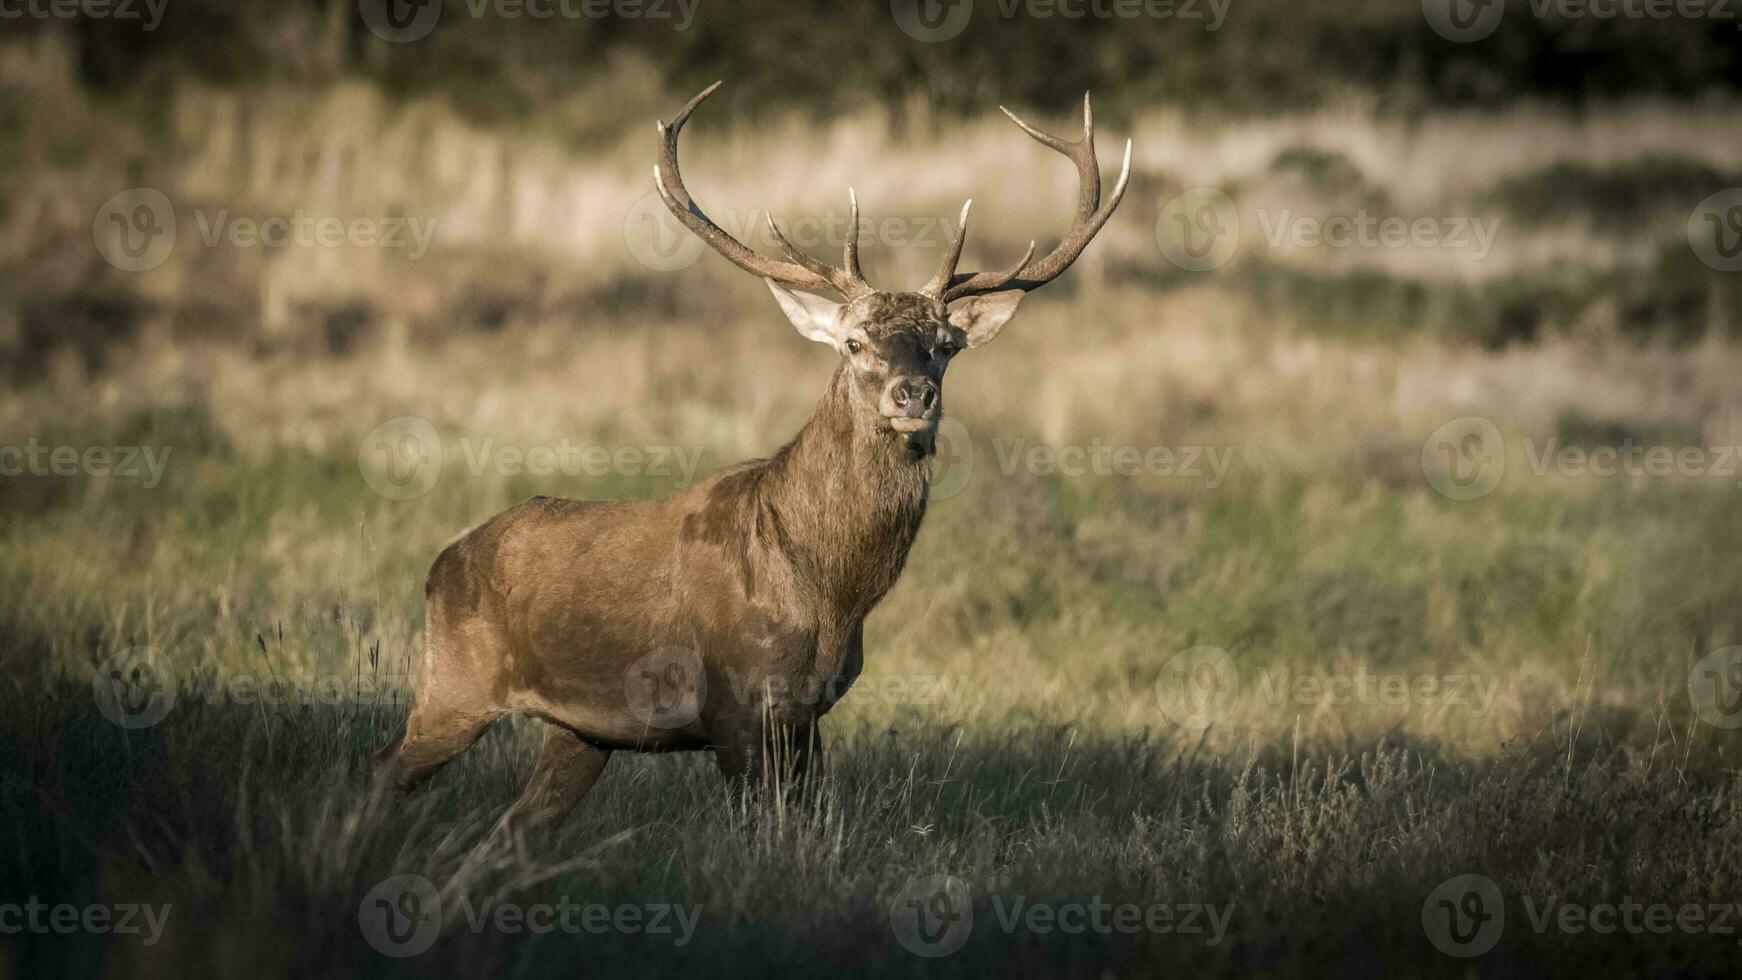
{"points": [[260, 831], [1053, 603]]}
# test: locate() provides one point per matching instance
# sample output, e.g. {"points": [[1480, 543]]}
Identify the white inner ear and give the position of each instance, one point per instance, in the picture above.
{"points": [[983, 316], [815, 317]]}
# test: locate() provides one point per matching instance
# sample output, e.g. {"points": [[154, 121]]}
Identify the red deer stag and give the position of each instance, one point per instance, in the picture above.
{"points": [[710, 619]]}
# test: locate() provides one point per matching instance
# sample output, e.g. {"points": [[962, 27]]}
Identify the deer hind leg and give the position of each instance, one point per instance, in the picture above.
{"points": [[454, 703], [568, 766], [433, 736]]}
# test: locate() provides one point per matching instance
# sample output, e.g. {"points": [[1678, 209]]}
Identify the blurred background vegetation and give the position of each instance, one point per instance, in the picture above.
{"points": [[1590, 139], [1267, 56]]}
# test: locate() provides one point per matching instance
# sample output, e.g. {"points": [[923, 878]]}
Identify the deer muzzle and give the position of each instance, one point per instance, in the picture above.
{"points": [[912, 404]]}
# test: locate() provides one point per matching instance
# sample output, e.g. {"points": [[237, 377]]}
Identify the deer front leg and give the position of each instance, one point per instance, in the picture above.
{"points": [[776, 751]]}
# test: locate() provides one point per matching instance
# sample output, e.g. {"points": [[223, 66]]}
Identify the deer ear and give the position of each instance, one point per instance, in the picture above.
{"points": [[983, 316], [815, 317]]}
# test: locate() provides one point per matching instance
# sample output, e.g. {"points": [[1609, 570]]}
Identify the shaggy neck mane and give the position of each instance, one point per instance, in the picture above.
{"points": [[846, 498]]}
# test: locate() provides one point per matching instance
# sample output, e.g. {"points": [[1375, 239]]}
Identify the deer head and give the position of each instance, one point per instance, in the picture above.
{"points": [[895, 346]]}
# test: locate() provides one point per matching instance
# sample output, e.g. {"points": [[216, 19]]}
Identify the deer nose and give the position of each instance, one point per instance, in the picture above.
{"points": [[911, 397]]}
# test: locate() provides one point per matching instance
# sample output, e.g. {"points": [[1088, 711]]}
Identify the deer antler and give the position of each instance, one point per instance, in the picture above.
{"points": [[949, 285], [803, 271]]}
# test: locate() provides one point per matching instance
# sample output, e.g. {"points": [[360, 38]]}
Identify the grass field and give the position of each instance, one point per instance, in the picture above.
{"points": [[1252, 704]]}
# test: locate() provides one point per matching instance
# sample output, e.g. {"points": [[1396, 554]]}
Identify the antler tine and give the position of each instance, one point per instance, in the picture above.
{"points": [[999, 280], [849, 282], [850, 250], [1090, 217], [792, 252], [805, 272], [947, 266]]}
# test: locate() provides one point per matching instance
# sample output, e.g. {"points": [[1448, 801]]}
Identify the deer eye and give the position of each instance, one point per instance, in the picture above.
{"points": [[854, 347]]}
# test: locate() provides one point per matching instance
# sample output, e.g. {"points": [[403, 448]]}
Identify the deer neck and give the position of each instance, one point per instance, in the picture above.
{"points": [[849, 498]]}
